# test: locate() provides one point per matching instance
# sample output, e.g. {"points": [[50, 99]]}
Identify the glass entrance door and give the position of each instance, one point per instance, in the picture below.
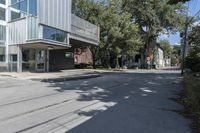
{"points": [[40, 60]]}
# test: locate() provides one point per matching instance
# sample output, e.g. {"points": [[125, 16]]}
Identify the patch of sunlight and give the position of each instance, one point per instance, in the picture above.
{"points": [[153, 83], [126, 97], [144, 95], [84, 83], [125, 84], [77, 88], [159, 77], [146, 90], [98, 89]]}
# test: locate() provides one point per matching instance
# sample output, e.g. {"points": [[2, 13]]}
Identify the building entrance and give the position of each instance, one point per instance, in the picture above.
{"points": [[34, 60]]}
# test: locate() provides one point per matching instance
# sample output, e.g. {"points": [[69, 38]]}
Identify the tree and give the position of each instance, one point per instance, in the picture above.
{"points": [[192, 61], [165, 45], [194, 38], [154, 17], [176, 55], [119, 35], [92, 12]]}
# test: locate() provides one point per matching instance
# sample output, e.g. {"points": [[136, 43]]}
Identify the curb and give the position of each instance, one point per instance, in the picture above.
{"points": [[70, 78]]}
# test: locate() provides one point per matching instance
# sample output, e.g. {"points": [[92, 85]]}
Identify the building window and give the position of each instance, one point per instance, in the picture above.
{"points": [[20, 8], [2, 54], [15, 15], [68, 55], [13, 58], [2, 34], [33, 7], [14, 1], [54, 34], [2, 14], [3, 2]]}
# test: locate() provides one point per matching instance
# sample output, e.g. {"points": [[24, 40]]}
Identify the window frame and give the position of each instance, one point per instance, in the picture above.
{"points": [[57, 32], [24, 9]]}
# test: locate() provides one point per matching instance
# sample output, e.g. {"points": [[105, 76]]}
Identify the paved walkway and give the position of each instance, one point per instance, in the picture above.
{"points": [[52, 75], [119, 102]]}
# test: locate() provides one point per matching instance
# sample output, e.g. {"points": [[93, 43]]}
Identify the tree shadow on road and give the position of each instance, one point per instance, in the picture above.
{"points": [[127, 103]]}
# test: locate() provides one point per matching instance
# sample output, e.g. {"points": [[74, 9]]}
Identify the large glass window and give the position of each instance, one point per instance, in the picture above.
{"points": [[54, 34], [21, 7], [33, 7], [2, 54], [14, 1], [3, 1], [2, 14]]}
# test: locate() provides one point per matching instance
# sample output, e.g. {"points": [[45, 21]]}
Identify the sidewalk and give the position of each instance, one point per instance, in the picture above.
{"points": [[64, 75], [74, 74]]}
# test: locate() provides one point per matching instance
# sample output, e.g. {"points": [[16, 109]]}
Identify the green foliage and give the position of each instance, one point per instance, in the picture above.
{"points": [[119, 35], [156, 16], [192, 100], [192, 61], [165, 45], [122, 23], [194, 38]]}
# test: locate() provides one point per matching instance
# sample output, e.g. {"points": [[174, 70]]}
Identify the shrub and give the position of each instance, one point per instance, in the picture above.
{"points": [[192, 61], [192, 99]]}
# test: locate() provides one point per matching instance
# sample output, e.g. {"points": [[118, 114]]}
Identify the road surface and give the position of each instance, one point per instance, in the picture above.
{"points": [[120, 102]]}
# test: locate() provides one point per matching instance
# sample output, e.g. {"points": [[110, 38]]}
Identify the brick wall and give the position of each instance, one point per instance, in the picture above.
{"points": [[82, 56]]}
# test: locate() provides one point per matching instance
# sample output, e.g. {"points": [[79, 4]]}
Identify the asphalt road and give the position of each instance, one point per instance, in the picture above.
{"points": [[121, 102]]}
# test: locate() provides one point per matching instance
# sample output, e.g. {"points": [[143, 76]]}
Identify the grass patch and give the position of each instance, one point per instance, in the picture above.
{"points": [[192, 99]]}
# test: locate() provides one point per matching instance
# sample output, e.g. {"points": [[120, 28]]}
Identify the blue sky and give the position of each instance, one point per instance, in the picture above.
{"points": [[194, 6]]}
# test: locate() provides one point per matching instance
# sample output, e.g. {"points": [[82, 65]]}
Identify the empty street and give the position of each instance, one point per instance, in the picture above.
{"points": [[118, 102]]}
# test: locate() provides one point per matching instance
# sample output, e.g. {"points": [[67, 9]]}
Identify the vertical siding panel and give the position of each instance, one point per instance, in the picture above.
{"points": [[17, 32], [55, 13]]}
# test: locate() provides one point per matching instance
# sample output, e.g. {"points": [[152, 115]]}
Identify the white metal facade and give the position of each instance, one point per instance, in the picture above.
{"points": [[17, 32], [55, 13]]}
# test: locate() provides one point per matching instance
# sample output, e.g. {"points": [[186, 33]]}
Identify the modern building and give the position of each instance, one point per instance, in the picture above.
{"points": [[42, 35]]}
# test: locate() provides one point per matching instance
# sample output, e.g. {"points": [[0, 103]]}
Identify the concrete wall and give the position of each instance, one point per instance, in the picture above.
{"points": [[59, 61]]}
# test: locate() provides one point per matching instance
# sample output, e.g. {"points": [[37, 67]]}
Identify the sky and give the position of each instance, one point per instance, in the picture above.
{"points": [[194, 7]]}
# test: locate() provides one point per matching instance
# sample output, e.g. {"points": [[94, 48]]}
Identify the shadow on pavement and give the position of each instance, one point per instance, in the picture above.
{"points": [[136, 103]]}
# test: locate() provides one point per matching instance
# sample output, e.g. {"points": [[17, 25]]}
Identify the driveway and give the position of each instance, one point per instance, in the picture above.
{"points": [[118, 102]]}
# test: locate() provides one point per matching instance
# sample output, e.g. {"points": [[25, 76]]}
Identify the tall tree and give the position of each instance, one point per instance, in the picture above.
{"points": [[119, 35], [154, 17]]}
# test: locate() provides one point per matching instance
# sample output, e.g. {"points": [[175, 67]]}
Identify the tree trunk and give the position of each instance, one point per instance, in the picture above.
{"points": [[117, 63], [93, 51], [108, 59], [93, 61]]}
